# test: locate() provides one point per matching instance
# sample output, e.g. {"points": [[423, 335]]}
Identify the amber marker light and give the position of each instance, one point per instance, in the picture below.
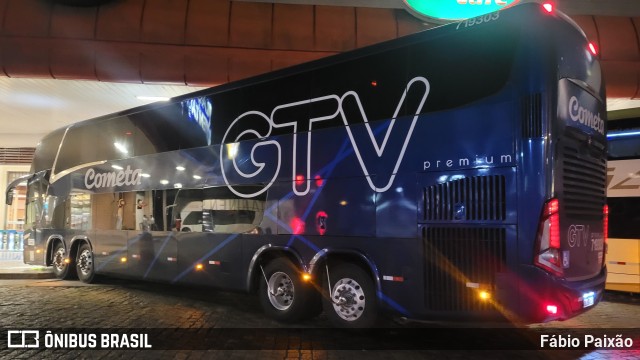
{"points": [[123, 259], [306, 277], [199, 267], [484, 295], [67, 260]]}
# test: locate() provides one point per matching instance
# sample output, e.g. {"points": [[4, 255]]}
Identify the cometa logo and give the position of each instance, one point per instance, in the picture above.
{"points": [[584, 116], [93, 179]]}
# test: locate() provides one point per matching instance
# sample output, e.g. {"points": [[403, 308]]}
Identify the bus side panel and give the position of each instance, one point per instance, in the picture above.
{"points": [[109, 250], [153, 255], [211, 259]]}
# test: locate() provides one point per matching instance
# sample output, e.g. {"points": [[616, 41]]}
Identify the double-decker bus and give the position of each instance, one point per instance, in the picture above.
{"points": [[458, 172], [623, 198]]}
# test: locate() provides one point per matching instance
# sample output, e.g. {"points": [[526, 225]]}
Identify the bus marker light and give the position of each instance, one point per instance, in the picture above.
{"points": [[123, 259], [552, 309], [393, 278], [484, 295], [67, 260], [306, 277], [199, 267]]}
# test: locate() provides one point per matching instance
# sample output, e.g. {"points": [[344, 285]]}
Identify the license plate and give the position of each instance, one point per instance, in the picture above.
{"points": [[588, 299]]}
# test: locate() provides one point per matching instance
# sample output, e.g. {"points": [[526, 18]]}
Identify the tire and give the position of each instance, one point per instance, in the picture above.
{"points": [[352, 301], [287, 298], [62, 269], [84, 264]]}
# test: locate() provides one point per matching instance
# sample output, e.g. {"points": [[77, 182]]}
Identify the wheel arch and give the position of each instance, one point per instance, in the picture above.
{"points": [[265, 254], [76, 242], [52, 240], [317, 266]]}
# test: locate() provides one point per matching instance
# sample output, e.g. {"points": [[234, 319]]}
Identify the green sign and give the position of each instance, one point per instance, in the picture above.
{"points": [[452, 10]]}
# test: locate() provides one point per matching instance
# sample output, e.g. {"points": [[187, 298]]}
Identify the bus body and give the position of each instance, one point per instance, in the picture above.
{"points": [[623, 198], [457, 172]]}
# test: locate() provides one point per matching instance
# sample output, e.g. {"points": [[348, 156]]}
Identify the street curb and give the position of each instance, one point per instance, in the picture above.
{"points": [[27, 275]]}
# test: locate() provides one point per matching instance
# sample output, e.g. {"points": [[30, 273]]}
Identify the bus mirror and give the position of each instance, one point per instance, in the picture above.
{"points": [[9, 196]]}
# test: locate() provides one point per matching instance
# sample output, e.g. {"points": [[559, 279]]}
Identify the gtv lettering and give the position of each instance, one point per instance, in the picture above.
{"points": [[335, 102], [578, 235]]}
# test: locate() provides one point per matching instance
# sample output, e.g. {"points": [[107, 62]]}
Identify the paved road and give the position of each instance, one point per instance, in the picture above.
{"points": [[214, 324]]}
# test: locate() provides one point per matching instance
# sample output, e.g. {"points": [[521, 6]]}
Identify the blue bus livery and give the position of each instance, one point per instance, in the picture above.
{"points": [[457, 172]]}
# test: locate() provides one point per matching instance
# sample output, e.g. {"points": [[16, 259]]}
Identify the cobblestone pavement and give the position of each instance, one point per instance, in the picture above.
{"points": [[114, 305]]}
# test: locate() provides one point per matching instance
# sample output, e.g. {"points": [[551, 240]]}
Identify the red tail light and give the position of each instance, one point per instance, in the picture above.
{"points": [[548, 7], [548, 256]]}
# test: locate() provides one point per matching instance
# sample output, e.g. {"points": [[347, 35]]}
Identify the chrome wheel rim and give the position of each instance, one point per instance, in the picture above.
{"points": [[58, 259], [280, 291], [85, 262], [348, 299]]}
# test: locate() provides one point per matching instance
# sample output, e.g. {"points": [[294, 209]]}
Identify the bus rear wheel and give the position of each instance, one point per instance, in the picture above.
{"points": [[351, 300], [84, 264], [284, 296], [61, 262]]}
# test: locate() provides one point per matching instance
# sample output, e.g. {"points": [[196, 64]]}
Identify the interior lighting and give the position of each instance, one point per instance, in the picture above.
{"points": [[117, 167], [197, 177], [121, 148], [180, 168], [164, 182]]}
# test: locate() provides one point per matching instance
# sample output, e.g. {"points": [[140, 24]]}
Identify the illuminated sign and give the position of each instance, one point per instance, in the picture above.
{"points": [[452, 10]]}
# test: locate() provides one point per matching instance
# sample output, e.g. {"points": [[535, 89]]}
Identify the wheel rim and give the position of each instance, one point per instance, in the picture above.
{"points": [[348, 299], [280, 291], [85, 262], [58, 259]]}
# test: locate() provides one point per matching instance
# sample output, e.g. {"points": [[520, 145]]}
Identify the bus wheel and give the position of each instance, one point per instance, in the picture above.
{"points": [[283, 295], [351, 302], [62, 267], [84, 264]]}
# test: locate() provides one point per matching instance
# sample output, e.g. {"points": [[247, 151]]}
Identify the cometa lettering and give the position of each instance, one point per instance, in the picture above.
{"points": [[128, 177], [584, 116]]}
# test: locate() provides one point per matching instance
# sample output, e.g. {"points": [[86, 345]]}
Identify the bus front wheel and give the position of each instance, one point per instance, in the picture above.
{"points": [[84, 264], [61, 262], [284, 296], [351, 302]]}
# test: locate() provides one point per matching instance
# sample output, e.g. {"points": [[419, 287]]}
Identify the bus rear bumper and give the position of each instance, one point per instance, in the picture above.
{"points": [[559, 299]]}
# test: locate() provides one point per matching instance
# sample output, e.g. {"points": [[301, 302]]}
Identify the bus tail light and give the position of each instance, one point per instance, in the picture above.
{"points": [[548, 7], [548, 255], [552, 309]]}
